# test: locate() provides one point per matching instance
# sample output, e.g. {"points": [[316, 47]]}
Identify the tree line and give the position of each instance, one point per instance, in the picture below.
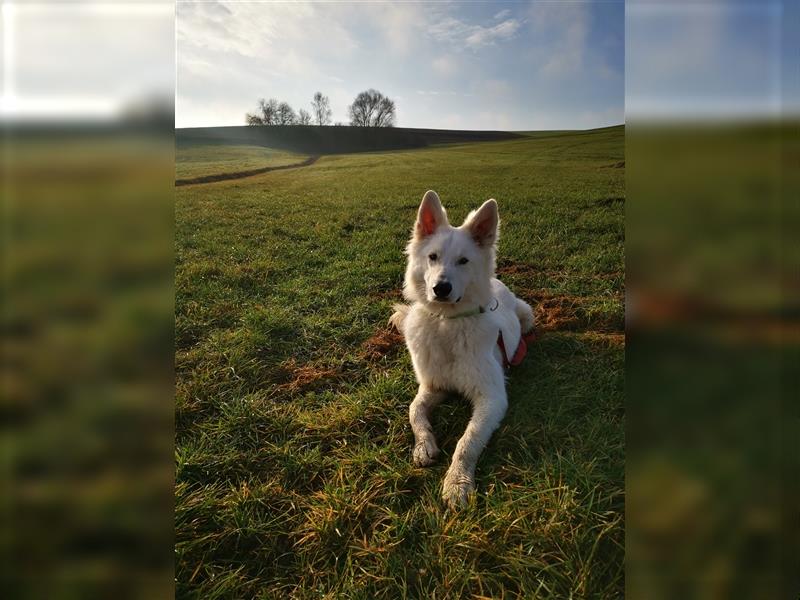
{"points": [[370, 108]]}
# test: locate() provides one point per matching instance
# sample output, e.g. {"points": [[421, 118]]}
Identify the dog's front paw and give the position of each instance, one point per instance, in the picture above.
{"points": [[425, 453], [457, 490]]}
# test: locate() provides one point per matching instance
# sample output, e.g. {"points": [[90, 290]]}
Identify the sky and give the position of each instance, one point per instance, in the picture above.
{"points": [[525, 65], [83, 59], [731, 59], [449, 65]]}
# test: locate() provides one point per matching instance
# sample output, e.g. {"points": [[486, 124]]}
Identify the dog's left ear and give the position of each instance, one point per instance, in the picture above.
{"points": [[483, 223]]}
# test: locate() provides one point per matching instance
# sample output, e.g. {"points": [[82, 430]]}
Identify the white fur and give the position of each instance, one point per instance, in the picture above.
{"points": [[457, 354]]}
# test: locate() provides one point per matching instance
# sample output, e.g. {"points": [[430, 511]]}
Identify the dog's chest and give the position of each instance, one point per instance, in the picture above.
{"points": [[448, 352]]}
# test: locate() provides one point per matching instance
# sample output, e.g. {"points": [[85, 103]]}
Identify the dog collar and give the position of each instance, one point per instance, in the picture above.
{"points": [[470, 313]]}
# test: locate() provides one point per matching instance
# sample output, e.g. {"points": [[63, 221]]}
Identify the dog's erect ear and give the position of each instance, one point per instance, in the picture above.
{"points": [[431, 215], [482, 223]]}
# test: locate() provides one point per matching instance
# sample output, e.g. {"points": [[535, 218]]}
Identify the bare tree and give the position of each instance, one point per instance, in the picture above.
{"points": [[384, 114], [269, 111], [285, 115], [372, 109], [272, 112], [303, 118], [321, 109]]}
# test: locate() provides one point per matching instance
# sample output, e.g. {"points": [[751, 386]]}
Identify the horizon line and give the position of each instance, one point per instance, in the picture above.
{"points": [[418, 128]]}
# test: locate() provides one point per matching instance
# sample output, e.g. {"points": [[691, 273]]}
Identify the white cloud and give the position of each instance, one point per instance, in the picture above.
{"points": [[286, 38], [231, 54], [502, 14], [484, 37], [449, 30], [463, 35]]}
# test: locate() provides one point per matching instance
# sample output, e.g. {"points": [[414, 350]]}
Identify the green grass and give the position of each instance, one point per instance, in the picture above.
{"points": [[87, 325], [293, 448], [201, 160]]}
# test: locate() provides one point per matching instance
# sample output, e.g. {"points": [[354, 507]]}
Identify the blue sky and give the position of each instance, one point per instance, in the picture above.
{"points": [[493, 65], [713, 60]]}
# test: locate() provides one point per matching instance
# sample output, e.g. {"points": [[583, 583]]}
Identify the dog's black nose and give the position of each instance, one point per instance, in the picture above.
{"points": [[442, 289]]}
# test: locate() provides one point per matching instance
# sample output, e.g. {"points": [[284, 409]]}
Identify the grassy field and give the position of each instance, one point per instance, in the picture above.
{"points": [[293, 448], [87, 374], [202, 159]]}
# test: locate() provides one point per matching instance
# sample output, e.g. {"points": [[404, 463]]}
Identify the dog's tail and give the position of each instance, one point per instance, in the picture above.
{"points": [[399, 316]]}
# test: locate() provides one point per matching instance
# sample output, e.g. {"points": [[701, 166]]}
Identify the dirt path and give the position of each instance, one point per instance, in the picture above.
{"points": [[241, 174]]}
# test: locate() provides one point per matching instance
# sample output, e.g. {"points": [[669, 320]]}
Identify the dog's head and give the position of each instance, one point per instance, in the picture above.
{"points": [[450, 268]]}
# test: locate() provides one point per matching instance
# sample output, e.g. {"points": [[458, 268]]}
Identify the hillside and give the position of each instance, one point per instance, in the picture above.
{"points": [[310, 139]]}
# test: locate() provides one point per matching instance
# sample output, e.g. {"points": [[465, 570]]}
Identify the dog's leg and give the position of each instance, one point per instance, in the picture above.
{"points": [[425, 448], [525, 315], [459, 481]]}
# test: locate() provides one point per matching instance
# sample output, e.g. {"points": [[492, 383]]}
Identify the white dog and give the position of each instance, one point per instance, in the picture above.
{"points": [[461, 326]]}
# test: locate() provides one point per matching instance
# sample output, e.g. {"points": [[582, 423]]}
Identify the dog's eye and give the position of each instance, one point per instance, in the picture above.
{"points": [[463, 260], [433, 256]]}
